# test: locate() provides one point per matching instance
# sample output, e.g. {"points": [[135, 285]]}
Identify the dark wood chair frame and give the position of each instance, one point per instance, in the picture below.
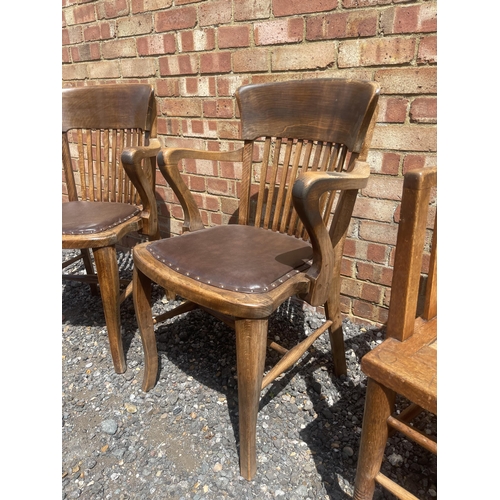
{"points": [[109, 149], [326, 122], [406, 362]]}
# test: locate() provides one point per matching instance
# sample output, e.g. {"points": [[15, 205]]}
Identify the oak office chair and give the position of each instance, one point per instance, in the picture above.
{"points": [[406, 362], [312, 157], [109, 150]]}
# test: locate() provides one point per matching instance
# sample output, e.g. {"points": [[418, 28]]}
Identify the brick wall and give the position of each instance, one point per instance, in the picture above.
{"points": [[196, 53]]}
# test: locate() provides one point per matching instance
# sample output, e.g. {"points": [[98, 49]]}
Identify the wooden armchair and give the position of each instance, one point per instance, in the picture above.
{"points": [[406, 362], [314, 137], [109, 150]]}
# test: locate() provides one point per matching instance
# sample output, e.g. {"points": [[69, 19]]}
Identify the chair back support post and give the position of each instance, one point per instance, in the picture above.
{"points": [[409, 252]]}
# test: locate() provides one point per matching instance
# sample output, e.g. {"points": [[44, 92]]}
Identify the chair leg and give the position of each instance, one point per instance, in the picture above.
{"points": [[379, 405], [109, 283], [332, 312], [89, 268], [144, 315], [251, 344]]}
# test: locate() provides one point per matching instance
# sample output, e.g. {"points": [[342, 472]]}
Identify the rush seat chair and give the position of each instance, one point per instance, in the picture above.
{"points": [[406, 361], [305, 144], [109, 150]]}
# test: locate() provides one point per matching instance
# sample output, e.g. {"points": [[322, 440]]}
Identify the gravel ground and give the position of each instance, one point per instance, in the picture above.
{"points": [[179, 441]]}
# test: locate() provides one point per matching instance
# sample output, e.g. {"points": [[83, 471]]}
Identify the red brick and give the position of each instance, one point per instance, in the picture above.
{"points": [[374, 273], [220, 187], [412, 162], [135, 25], [384, 163], [424, 110], [318, 55], [342, 25], [354, 4], [150, 5], [101, 31], [75, 72], [371, 293], [229, 205], [72, 35], [116, 49], [405, 137], [113, 8], [378, 232], [233, 36], [427, 50], [181, 107], [65, 55], [197, 86], [279, 31], [376, 51], [217, 62], [392, 110], [218, 108], [407, 80], [176, 19], [197, 40], [293, 7], [138, 68], [350, 287], [373, 209], [214, 12], [250, 60], [84, 14], [382, 186], [256, 9], [230, 170], [197, 183], [86, 52], [104, 69], [167, 87], [410, 19], [156, 44], [229, 129], [178, 65]]}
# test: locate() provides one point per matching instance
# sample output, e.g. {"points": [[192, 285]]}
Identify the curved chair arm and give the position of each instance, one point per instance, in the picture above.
{"points": [[327, 246], [168, 160], [131, 158]]}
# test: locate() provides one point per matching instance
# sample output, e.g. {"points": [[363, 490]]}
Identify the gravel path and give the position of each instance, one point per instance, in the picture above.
{"points": [[179, 441]]}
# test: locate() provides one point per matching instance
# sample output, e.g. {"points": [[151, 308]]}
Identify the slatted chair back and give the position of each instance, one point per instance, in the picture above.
{"points": [[330, 127], [97, 124]]}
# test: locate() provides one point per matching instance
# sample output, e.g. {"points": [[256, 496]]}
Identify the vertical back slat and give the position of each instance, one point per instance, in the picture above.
{"points": [[287, 207], [106, 186], [282, 184], [112, 166], [305, 166], [120, 171], [81, 165], [263, 178], [98, 165], [90, 162], [272, 183]]}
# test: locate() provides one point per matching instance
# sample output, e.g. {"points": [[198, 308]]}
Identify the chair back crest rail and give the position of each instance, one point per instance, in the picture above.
{"points": [[98, 123]]}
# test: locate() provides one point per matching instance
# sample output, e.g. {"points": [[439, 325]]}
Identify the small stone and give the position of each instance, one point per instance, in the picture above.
{"points": [[347, 451], [109, 426], [395, 459], [217, 467], [131, 408]]}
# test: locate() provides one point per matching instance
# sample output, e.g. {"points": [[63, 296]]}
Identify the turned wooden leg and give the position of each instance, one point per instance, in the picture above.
{"points": [[144, 315], [379, 405], [251, 344], [332, 312], [89, 268], [109, 284]]}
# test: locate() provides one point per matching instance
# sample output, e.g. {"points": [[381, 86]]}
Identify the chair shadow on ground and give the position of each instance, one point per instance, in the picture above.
{"points": [[81, 308], [204, 348]]}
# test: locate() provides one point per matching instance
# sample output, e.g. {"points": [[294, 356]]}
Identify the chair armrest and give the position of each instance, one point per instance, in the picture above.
{"points": [[327, 245], [168, 160], [131, 158]]}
